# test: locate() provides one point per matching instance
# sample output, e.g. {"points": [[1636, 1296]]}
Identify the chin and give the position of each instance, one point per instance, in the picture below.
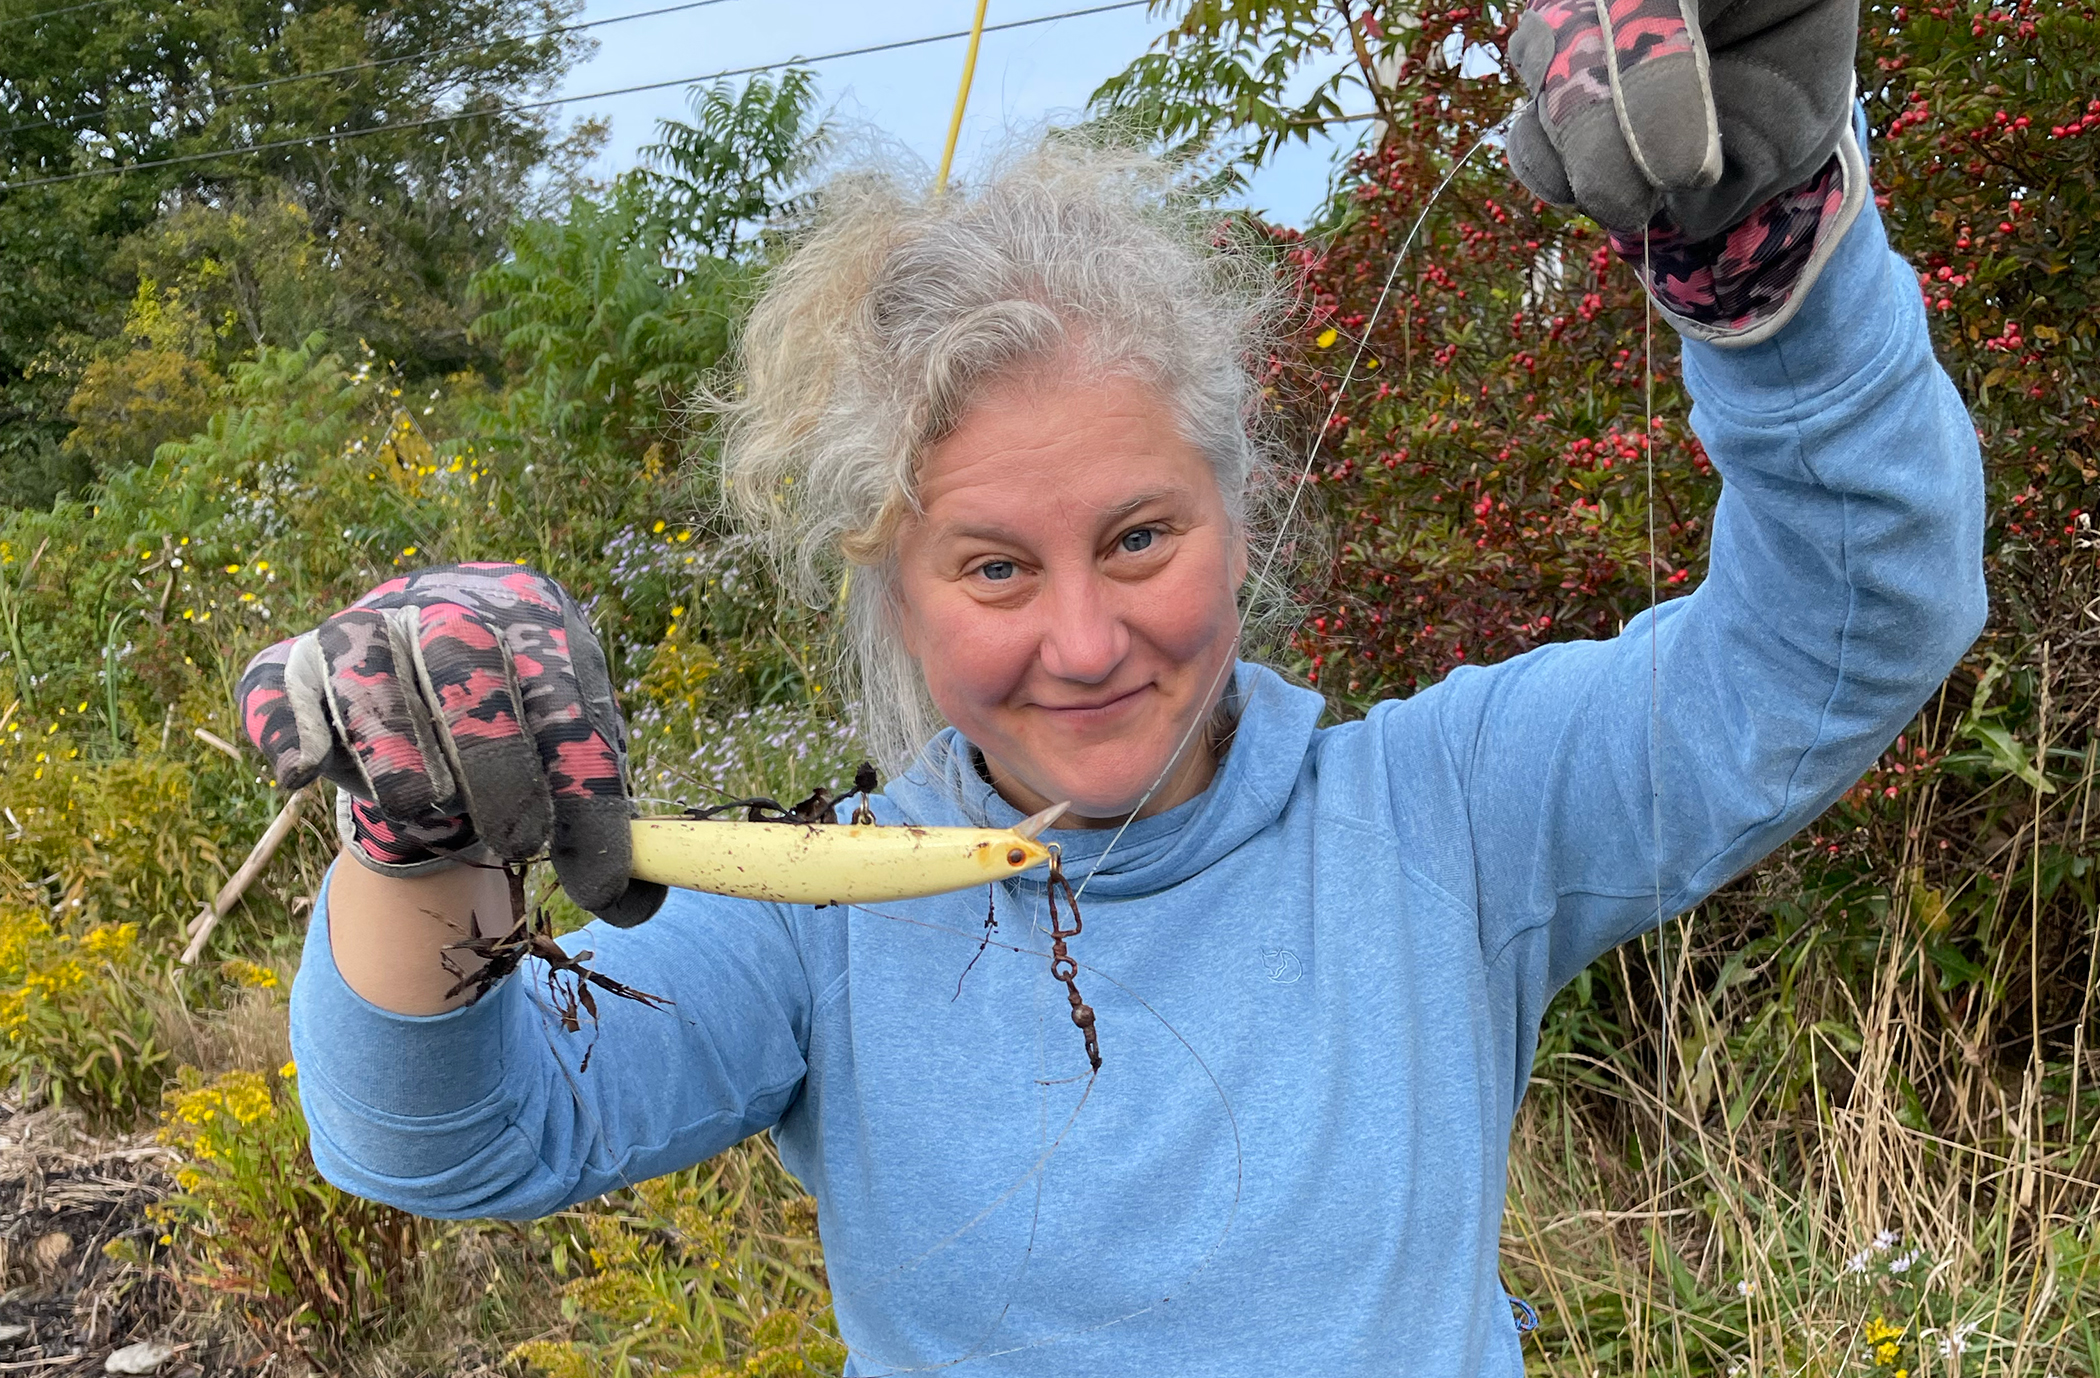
{"points": [[1111, 792]]}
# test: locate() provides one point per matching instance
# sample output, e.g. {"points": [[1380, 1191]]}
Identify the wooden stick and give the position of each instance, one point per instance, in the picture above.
{"points": [[211, 738], [207, 919]]}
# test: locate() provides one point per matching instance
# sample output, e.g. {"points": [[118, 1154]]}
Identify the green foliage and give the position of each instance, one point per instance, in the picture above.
{"points": [[609, 314], [152, 384], [1260, 73], [297, 479], [603, 333], [390, 226], [1988, 170], [253, 477], [78, 1028], [104, 861], [735, 165], [254, 1220], [710, 1272]]}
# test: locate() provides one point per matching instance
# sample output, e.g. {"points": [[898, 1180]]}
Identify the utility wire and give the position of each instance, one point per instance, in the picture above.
{"points": [[521, 107], [224, 91], [62, 9]]}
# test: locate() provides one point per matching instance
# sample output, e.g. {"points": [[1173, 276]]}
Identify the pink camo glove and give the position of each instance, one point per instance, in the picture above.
{"points": [[465, 711], [1711, 138]]}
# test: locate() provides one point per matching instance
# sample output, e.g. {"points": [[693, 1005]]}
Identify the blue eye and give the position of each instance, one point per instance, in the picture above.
{"points": [[1140, 539], [997, 569]]}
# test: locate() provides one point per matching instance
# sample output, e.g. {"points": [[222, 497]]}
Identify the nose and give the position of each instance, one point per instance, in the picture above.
{"points": [[1084, 637]]}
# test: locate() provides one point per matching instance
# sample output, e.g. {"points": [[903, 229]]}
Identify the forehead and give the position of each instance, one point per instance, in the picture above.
{"points": [[1054, 445]]}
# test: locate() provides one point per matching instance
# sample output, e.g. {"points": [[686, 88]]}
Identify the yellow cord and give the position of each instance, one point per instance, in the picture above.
{"points": [[962, 97]]}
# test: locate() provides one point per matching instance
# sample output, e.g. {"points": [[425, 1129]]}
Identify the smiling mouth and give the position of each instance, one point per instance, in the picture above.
{"points": [[1117, 701]]}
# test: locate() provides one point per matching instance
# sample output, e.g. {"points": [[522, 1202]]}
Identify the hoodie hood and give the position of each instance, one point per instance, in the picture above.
{"points": [[1274, 731]]}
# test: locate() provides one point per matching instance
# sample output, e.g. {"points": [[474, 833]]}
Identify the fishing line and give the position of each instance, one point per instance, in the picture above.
{"points": [[1662, 954], [983, 940], [1662, 926], [1283, 526]]}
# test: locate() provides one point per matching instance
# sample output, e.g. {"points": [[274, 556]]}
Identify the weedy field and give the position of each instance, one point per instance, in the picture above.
{"points": [[1865, 1139]]}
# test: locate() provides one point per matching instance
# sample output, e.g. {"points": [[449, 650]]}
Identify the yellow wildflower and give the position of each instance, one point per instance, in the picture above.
{"points": [[245, 973], [109, 940]]}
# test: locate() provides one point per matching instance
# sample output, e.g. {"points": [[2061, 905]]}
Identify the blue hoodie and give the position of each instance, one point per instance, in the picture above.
{"points": [[1319, 983]]}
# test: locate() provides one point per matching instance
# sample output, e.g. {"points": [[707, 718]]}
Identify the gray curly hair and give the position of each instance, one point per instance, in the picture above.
{"points": [[900, 306]]}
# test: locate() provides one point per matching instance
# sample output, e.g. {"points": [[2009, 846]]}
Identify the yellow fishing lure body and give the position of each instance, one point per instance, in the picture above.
{"points": [[832, 863]]}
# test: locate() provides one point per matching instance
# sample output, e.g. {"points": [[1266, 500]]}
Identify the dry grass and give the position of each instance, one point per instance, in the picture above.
{"points": [[1859, 1163], [252, 1030]]}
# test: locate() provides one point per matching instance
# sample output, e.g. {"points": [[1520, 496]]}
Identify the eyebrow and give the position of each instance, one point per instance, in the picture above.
{"points": [[982, 532], [1142, 500]]}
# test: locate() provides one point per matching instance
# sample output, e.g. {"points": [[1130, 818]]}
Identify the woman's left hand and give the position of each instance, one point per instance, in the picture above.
{"points": [[1717, 154], [1697, 109]]}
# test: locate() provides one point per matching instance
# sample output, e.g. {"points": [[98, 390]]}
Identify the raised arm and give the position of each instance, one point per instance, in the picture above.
{"points": [[1845, 582]]}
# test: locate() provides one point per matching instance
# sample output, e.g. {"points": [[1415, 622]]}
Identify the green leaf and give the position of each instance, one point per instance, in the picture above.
{"points": [[2008, 754]]}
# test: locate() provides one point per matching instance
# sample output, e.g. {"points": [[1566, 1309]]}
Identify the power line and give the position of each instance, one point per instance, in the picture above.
{"points": [[224, 91], [521, 107], [62, 9]]}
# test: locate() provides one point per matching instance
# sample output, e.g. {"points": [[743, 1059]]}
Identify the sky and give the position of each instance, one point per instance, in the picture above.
{"points": [[1024, 76]]}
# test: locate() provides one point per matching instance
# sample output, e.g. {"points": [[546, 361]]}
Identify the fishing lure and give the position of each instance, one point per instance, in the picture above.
{"points": [[787, 860]]}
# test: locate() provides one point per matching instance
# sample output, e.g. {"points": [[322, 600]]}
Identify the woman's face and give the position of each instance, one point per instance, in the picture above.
{"points": [[1069, 593]]}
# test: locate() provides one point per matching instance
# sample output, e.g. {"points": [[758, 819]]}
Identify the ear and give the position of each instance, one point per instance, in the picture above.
{"points": [[1238, 557]]}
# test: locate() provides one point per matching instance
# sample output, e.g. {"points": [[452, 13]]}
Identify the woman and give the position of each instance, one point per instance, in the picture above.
{"points": [[1319, 956]]}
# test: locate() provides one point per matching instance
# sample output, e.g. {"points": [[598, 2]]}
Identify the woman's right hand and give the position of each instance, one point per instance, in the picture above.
{"points": [[464, 710]]}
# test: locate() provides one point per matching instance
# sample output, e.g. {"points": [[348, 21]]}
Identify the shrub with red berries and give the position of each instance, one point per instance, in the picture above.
{"points": [[1483, 476], [1483, 473]]}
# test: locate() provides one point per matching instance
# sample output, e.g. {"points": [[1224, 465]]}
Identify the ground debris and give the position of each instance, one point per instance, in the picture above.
{"points": [[147, 1356], [67, 1305]]}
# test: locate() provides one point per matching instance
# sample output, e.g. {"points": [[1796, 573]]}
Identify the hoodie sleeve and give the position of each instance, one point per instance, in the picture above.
{"points": [[1845, 583], [490, 1110]]}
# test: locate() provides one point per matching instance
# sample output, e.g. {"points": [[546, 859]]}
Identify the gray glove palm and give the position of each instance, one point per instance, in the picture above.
{"points": [[1699, 110]]}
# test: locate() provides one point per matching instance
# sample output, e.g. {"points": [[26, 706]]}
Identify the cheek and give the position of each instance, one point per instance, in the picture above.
{"points": [[1189, 612], [970, 656]]}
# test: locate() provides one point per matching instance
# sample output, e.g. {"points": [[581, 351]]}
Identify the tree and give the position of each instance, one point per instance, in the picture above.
{"points": [[720, 177], [609, 314], [1263, 72], [401, 218]]}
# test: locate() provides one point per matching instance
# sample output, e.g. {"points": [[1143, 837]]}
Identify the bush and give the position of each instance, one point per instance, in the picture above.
{"points": [[119, 854], [711, 1272], [254, 1221], [1869, 1027], [78, 1026], [128, 609]]}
